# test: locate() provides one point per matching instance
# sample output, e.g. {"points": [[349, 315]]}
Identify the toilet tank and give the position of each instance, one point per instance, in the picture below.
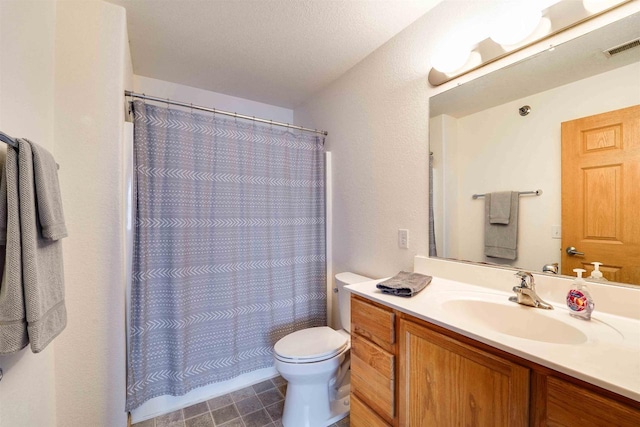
{"points": [[344, 296]]}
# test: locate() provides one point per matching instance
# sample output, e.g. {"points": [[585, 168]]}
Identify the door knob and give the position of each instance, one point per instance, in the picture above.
{"points": [[572, 251]]}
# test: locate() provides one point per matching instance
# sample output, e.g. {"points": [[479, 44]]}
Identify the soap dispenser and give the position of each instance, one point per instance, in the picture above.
{"points": [[579, 299], [596, 274]]}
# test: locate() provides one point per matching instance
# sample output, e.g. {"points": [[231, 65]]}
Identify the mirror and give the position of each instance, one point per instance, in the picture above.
{"points": [[503, 132]]}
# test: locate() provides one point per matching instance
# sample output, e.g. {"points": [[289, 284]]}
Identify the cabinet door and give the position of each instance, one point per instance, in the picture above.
{"points": [[569, 405], [444, 382]]}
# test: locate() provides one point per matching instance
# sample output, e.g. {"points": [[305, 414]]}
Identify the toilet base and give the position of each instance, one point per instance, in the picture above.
{"points": [[297, 412], [341, 406]]}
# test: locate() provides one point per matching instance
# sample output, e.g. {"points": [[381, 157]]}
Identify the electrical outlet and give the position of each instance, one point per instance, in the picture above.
{"points": [[403, 238], [556, 232]]}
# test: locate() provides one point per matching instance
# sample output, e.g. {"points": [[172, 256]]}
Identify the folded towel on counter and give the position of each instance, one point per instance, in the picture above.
{"points": [[404, 284], [32, 308], [501, 240], [500, 207]]}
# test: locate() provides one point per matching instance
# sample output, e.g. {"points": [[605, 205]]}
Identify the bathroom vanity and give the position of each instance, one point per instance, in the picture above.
{"points": [[459, 354]]}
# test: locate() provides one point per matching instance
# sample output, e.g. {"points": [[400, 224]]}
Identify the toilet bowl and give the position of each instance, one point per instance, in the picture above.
{"points": [[315, 362]]}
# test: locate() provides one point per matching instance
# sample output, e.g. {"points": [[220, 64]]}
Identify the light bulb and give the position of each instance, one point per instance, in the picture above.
{"points": [[543, 28], [514, 23], [449, 58], [474, 60]]}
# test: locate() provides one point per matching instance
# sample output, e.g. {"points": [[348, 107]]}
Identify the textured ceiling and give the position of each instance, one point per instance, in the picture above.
{"points": [[275, 51]]}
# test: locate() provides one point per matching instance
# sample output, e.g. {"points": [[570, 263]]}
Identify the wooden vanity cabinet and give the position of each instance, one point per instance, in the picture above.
{"points": [[408, 372], [561, 403], [373, 364], [444, 382], [362, 415]]}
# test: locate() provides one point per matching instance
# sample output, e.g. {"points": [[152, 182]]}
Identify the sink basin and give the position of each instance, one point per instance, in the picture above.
{"points": [[515, 320]]}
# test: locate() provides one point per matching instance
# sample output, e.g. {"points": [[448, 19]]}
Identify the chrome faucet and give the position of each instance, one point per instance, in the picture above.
{"points": [[550, 268], [526, 292]]}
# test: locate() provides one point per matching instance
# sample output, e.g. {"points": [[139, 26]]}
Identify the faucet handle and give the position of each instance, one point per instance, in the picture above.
{"points": [[523, 275]]}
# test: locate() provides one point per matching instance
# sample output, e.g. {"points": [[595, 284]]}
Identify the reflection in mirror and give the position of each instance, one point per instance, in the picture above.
{"points": [[567, 122]]}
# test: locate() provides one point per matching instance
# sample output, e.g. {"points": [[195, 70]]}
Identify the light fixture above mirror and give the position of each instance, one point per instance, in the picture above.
{"points": [[513, 27]]}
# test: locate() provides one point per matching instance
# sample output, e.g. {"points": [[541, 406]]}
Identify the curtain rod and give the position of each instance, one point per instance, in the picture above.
{"points": [[224, 113]]}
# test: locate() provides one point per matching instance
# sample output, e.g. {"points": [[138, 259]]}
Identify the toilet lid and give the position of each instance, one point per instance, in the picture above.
{"points": [[311, 345]]}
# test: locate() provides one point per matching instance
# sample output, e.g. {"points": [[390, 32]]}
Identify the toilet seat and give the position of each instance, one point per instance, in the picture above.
{"points": [[311, 345]]}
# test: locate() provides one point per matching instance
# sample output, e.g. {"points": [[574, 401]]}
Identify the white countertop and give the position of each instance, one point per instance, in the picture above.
{"points": [[609, 357]]}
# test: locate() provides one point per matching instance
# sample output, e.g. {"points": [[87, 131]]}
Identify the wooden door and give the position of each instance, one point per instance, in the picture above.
{"points": [[444, 382], [601, 194]]}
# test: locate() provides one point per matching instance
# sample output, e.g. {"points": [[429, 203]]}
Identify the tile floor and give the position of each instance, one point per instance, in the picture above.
{"points": [[259, 405]]}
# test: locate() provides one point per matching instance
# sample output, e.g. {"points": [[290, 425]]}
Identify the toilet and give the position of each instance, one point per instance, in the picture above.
{"points": [[315, 362]]}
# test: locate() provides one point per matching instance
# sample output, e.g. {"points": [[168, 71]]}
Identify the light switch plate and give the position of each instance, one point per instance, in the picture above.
{"points": [[403, 238]]}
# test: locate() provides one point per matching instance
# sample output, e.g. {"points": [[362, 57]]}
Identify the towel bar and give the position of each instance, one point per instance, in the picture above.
{"points": [[12, 142], [7, 139], [520, 193]]}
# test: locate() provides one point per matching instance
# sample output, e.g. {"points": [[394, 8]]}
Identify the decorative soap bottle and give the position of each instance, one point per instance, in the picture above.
{"points": [[596, 274], [579, 299]]}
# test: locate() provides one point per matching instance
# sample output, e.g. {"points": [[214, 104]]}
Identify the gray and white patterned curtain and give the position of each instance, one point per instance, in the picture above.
{"points": [[229, 247]]}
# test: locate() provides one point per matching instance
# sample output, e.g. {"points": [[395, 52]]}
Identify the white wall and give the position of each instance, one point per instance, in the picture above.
{"points": [[91, 71], [63, 69], [523, 153], [205, 98], [377, 118], [27, 29]]}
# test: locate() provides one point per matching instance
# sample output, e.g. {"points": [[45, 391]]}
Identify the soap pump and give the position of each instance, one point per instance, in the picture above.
{"points": [[596, 274], [579, 299]]}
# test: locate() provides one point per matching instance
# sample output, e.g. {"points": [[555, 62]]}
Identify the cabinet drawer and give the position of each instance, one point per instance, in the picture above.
{"points": [[570, 405], [372, 355], [363, 416], [374, 385], [374, 323]]}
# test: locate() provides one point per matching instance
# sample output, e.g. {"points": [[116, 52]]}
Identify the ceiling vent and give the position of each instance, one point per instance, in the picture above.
{"points": [[621, 48]]}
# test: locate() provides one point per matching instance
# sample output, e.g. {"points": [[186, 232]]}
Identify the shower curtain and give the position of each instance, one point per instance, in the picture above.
{"points": [[433, 251], [229, 247]]}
